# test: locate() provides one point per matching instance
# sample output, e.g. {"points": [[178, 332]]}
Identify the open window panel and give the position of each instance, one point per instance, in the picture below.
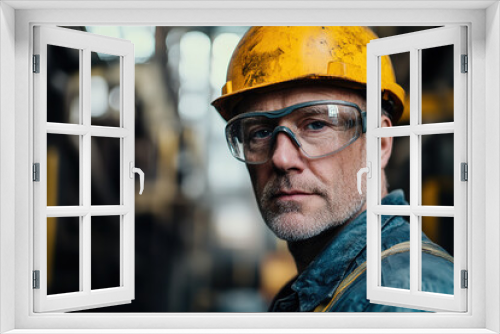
{"points": [[426, 130], [83, 200]]}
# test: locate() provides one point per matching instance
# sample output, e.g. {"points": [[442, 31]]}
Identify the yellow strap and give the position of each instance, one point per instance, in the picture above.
{"points": [[396, 249]]}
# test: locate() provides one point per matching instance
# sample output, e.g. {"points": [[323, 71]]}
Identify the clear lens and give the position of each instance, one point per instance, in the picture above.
{"points": [[325, 129], [320, 129]]}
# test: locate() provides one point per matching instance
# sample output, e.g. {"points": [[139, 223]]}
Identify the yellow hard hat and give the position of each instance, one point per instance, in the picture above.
{"points": [[270, 57]]}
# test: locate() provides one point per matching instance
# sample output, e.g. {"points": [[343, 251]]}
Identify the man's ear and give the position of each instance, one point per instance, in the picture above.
{"points": [[385, 143]]}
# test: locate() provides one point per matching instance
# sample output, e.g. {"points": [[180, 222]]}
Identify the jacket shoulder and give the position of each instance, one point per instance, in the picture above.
{"points": [[437, 276]]}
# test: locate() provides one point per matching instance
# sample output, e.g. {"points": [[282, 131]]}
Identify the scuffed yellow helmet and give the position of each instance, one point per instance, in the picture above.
{"points": [[270, 57]]}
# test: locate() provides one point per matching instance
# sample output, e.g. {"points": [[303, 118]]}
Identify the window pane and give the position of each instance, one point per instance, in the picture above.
{"points": [[63, 84], [438, 276], [401, 69], [437, 170], [397, 171], [105, 172], [105, 258], [401, 65], [437, 84], [395, 268], [63, 255], [105, 90], [63, 170]]}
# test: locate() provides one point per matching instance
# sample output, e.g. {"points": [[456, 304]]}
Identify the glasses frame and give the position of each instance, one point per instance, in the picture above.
{"points": [[286, 111]]}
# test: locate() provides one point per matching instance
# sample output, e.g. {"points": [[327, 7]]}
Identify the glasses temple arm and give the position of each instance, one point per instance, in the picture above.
{"points": [[363, 120]]}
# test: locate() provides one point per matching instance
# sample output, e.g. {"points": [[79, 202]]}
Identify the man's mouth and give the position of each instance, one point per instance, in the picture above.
{"points": [[287, 195]]}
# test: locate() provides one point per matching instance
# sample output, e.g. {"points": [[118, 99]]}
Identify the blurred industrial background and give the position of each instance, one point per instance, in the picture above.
{"points": [[200, 243]]}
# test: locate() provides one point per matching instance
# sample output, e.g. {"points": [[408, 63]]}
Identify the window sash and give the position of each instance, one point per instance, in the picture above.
{"points": [[413, 43], [85, 298]]}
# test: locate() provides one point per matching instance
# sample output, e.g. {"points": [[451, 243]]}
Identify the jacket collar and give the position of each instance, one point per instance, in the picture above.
{"points": [[322, 277]]}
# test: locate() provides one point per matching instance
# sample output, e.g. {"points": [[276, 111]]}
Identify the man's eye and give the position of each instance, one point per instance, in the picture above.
{"points": [[348, 124], [260, 134], [316, 125]]}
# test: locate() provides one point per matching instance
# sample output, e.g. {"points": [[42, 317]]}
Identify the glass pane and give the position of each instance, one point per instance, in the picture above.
{"points": [[397, 171], [437, 275], [63, 170], [437, 170], [63, 84], [401, 69], [437, 84], [105, 171], [105, 90], [105, 258], [63, 255], [395, 268]]}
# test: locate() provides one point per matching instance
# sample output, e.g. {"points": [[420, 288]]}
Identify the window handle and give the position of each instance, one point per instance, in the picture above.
{"points": [[141, 175], [368, 171]]}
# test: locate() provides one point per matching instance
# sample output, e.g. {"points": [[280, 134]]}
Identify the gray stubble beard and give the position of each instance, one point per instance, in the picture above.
{"points": [[300, 227]]}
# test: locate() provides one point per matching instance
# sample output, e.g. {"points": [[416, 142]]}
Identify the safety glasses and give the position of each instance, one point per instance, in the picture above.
{"points": [[318, 128]]}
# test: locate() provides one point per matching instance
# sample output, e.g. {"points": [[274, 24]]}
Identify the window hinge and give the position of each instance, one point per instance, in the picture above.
{"points": [[465, 279], [464, 171], [36, 279], [465, 64], [36, 172], [36, 63]]}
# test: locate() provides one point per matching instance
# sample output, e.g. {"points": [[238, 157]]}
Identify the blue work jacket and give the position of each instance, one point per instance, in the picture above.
{"points": [[319, 281]]}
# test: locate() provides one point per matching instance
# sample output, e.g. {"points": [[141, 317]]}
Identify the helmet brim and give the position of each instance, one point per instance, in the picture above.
{"points": [[226, 104]]}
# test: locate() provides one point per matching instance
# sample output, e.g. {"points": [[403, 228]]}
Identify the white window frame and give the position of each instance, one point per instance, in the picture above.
{"points": [[16, 21], [414, 44], [85, 297]]}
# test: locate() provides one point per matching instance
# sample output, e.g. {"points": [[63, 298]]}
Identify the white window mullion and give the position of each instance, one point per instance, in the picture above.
{"points": [[80, 211], [414, 170], [109, 132], [40, 156], [81, 130], [67, 129], [401, 210], [398, 131], [81, 256], [434, 129], [373, 160], [124, 178], [460, 156], [81, 105], [67, 211], [85, 166], [109, 210], [122, 252], [84, 130], [127, 100], [434, 211], [85, 255], [422, 129], [421, 210]]}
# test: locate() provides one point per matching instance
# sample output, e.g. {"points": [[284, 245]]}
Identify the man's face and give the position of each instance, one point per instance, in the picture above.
{"points": [[301, 197]]}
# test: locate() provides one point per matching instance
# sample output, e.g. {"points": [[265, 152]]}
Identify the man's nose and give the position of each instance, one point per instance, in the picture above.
{"points": [[286, 155]]}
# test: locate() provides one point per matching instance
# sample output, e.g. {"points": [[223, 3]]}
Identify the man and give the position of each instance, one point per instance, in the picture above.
{"points": [[295, 105]]}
